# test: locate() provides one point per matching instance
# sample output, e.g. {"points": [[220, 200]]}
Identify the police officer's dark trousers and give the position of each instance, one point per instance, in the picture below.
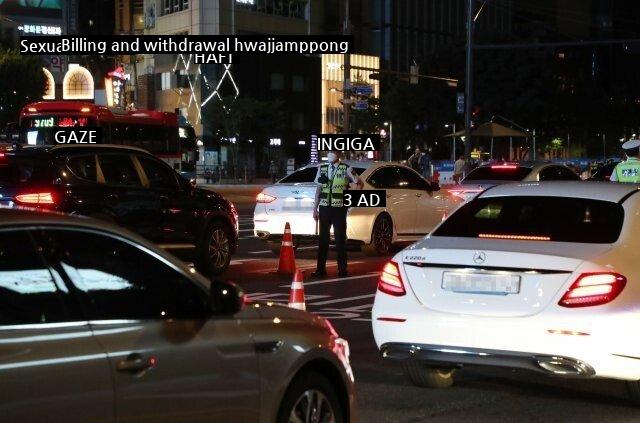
{"points": [[336, 217]]}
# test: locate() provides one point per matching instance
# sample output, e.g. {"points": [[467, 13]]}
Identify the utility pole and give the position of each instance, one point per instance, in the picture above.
{"points": [[468, 88], [346, 89]]}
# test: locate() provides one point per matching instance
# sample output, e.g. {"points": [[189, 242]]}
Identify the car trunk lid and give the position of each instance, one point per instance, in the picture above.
{"points": [[291, 197], [490, 277]]}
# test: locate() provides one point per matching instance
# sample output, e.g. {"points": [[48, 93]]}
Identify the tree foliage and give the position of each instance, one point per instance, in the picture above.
{"points": [[22, 81]]}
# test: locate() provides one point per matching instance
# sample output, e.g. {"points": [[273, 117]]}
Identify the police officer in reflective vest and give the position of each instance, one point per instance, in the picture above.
{"points": [[629, 170], [334, 177]]}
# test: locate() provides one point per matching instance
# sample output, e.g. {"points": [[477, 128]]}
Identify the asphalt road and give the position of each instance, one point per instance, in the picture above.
{"points": [[384, 394]]}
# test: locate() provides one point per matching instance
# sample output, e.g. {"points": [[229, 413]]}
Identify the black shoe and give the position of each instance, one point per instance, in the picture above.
{"points": [[343, 274], [319, 274]]}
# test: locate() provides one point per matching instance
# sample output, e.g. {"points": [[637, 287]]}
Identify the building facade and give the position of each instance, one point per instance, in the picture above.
{"points": [[175, 83]]}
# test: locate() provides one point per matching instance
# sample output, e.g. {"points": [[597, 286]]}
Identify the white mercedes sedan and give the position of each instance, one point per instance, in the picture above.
{"points": [[414, 207], [542, 276]]}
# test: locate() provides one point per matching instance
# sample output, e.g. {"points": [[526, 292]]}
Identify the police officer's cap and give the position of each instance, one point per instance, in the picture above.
{"points": [[631, 144]]}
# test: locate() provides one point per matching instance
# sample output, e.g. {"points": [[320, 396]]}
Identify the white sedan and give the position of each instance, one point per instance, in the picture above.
{"points": [[414, 207], [540, 276]]}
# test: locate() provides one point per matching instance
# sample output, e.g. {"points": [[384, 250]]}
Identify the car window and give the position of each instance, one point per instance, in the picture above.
{"points": [[159, 174], [498, 173], [411, 180], [385, 177], [123, 281], [18, 170], [303, 175], [84, 167], [118, 169], [568, 175], [543, 218], [28, 293]]}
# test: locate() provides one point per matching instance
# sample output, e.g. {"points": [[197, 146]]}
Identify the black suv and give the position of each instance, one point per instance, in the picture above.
{"points": [[127, 186]]}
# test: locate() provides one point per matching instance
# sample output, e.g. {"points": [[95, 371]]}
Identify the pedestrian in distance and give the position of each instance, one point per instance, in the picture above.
{"points": [[273, 171], [328, 210], [414, 160], [458, 169], [425, 165], [628, 171], [207, 175]]}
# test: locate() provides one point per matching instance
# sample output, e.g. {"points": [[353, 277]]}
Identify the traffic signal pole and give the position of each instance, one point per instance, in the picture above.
{"points": [[346, 89], [468, 86]]}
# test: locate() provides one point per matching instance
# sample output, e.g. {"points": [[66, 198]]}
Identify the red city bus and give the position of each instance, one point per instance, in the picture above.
{"points": [[152, 130]]}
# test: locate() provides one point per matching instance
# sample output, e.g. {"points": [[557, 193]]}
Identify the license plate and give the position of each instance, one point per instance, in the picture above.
{"points": [[481, 283], [298, 204]]}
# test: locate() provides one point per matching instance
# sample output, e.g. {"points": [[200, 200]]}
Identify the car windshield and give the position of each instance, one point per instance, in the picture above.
{"points": [[17, 170], [309, 175], [537, 218], [498, 173]]}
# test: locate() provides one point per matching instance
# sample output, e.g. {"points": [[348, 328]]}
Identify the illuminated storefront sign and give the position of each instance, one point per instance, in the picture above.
{"points": [[50, 89], [114, 85], [332, 86], [40, 29], [77, 83]]}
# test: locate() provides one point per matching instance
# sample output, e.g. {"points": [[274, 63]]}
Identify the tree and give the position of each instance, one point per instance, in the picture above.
{"points": [[22, 81], [244, 119]]}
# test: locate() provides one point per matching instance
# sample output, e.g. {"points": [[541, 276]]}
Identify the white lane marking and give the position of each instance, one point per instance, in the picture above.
{"points": [[368, 275], [280, 297], [260, 252], [362, 320], [343, 300], [303, 267], [240, 261]]}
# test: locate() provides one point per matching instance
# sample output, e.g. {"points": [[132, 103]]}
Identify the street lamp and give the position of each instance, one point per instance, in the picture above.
{"points": [[453, 133], [390, 125]]}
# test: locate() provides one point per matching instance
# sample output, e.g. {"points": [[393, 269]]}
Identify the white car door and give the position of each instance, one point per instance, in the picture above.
{"points": [[401, 202], [429, 206]]}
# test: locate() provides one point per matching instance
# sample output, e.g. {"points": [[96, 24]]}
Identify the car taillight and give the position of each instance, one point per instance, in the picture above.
{"points": [[390, 281], [264, 198], [37, 198], [592, 289]]}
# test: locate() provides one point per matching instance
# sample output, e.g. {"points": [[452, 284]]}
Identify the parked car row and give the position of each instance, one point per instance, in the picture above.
{"points": [[414, 207]]}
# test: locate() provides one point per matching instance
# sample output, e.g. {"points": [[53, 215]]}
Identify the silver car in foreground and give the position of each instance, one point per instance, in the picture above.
{"points": [[98, 325]]}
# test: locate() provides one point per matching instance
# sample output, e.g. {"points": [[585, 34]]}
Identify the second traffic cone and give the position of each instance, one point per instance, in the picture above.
{"points": [[296, 295], [287, 264]]}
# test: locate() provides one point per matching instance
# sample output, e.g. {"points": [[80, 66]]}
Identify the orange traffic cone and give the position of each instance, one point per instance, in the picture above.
{"points": [[287, 264], [296, 295]]}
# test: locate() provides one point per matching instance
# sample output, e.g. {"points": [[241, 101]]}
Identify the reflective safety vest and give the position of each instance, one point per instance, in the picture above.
{"points": [[628, 171], [332, 191]]}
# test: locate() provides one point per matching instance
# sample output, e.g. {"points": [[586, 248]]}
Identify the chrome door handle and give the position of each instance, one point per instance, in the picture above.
{"points": [[135, 363]]}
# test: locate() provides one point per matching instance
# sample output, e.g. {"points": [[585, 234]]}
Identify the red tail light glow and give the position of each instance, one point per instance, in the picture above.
{"points": [[505, 167], [264, 198], [37, 198], [516, 237], [592, 289], [390, 281]]}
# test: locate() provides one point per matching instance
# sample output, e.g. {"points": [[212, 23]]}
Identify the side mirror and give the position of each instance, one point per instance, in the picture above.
{"points": [[434, 186], [226, 298], [193, 182]]}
